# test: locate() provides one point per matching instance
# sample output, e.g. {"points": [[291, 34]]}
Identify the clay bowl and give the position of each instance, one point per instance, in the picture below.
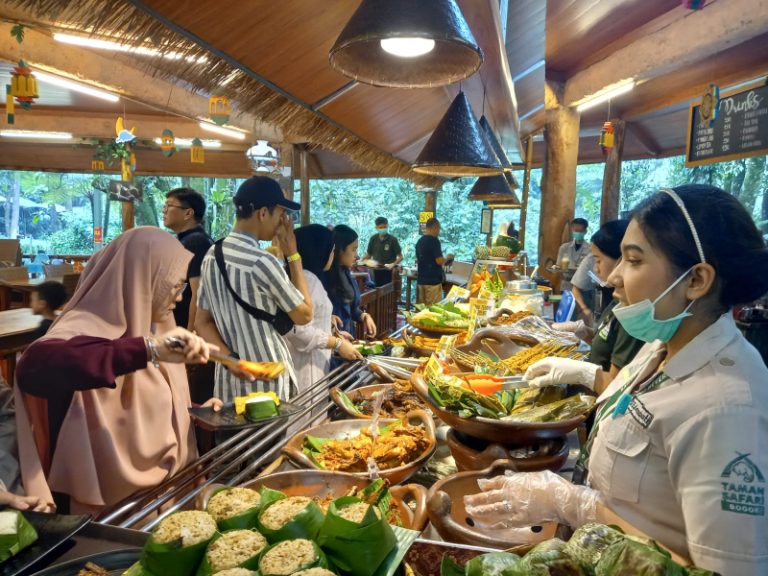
{"points": [[356, 395], [501, 431], [445, 505], [324, 483], [474, 454], [343, 429], [497, 343]]}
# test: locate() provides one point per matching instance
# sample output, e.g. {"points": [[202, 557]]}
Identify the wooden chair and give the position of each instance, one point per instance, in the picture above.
{"points": [[14, 273], [58, 270]]}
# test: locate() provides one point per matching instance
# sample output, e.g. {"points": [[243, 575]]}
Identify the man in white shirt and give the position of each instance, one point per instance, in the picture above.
{"points": [[570, 254]]}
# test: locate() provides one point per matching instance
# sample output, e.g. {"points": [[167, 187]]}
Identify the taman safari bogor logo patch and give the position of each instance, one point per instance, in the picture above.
{"points": [[741, 490]]}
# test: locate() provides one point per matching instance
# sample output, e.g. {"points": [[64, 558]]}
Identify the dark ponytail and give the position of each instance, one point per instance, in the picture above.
{"points": [[730, 239]]}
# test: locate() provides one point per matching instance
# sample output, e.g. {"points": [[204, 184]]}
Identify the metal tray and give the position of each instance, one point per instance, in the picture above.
{"points": [[52, 531], [116, 562], [226, 419]]}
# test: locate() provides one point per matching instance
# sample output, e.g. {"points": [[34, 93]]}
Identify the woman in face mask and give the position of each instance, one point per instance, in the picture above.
{"points": [[678, 450]]}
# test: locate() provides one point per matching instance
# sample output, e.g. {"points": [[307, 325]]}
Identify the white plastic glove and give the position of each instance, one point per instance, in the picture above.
{"points": [[529, 498], [578, 328], [551, 371]]}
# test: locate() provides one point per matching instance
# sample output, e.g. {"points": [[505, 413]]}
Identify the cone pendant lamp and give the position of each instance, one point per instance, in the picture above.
{"points": [[496, 191], [495, 144], [406, 44], [458, 146]]}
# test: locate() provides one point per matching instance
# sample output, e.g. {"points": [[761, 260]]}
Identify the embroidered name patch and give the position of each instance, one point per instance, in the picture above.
{"points": [[743, 487], [640, 413]]}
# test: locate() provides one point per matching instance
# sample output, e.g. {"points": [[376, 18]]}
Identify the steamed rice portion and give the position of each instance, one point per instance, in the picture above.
{"points": [[280, 513], [233, 548], [233, 501], [287, 557], [239, 572], [356, 512], [317, 571], [191, 527]]}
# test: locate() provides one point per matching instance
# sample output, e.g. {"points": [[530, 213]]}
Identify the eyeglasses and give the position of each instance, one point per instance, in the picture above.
{"points": [[167, 206]]}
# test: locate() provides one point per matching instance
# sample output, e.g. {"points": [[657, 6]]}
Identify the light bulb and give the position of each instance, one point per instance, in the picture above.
{"points": [[407, 47]]}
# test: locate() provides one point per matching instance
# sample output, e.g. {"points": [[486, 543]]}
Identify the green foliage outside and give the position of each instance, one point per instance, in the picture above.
{"points": [[54, 212]]}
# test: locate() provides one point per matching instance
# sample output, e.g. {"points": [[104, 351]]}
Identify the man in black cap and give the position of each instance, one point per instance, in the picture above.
{"points": [[260, 281]]}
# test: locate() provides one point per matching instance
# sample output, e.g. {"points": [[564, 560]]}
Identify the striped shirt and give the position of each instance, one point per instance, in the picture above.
{"points": [[258, 278]]}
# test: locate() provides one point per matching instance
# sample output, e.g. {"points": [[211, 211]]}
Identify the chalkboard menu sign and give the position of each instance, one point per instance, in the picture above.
{"points": [[741, 129]]}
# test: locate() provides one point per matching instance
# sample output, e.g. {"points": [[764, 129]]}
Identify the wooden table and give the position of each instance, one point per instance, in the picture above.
{"points": [[17, 329], [25, 286]]}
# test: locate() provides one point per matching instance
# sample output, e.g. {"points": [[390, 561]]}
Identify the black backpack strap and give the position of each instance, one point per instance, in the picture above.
{"points": [[218, 252]]}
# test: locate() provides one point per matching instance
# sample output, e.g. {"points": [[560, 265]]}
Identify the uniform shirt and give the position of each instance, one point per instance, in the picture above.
{"points": [[575, 256], [384, 249], [198, 242], [611, 344], [687, 461], [258, 278], [428, 250]]}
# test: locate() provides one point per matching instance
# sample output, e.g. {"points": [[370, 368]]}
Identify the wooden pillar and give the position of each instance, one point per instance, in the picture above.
{"points": [[526, 189], [430, 201], [286, 160], [305, 198], [609, 207], [558, 191]]}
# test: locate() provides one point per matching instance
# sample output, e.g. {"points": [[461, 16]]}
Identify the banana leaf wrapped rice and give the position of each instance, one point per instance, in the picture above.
{"points": [[356, 536], [291, 556], [16, 533], [235, 508], [283, 517], [233, 549]]}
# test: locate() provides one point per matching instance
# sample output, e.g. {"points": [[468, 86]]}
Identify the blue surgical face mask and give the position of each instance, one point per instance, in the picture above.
{"points": [[382, 231], [578, 236], [639, 320]]}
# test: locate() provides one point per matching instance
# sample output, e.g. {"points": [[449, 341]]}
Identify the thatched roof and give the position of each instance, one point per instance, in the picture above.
{"points": [[129, 23]]}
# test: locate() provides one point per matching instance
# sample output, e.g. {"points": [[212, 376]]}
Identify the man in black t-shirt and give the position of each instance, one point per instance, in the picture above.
{"points": [[183, 213], [385, 249], [430, 260]]}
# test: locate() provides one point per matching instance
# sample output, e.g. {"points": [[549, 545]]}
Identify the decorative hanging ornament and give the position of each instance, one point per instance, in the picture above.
{"points": [[124, 136], [168, 143], [709, 109], [197, 152], [24, 85], [693, 4], [10, 111], [263, 157], [606, 138], [97, 165], [219, 109]]}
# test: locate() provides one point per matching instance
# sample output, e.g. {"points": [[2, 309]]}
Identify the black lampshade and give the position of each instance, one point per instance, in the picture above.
{"points": [[494, 190], [457, 147], [358, 54], [495, 144]]}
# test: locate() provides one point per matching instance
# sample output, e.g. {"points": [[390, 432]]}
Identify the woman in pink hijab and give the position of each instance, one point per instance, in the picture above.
{"points": [[105, 396]]}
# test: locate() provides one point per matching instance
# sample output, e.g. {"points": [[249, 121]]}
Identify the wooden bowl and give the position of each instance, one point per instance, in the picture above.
{"points": [[445, 505], [343, 429], [474, 454], [323, 483], [492, 430], [362, 393]]}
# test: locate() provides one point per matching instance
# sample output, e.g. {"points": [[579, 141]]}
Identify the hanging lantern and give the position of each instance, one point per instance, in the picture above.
{"points": [[496, 188], [24, 85], [168, 143], [97, 165], [496, 146], [262, 157], [219, 109], [406, 44], [10, 111], [458, 146], [197, 152], [606, 138]]}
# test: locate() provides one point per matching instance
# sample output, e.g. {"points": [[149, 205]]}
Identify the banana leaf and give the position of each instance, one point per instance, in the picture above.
{"points": [[588, 543], [377, 493], [355, 548], [306, 524], [532, 397], [320, 560], [560, 410], [170, 559], [493, 564], [391, 564], [449, 567], [348, 404], [25, 534], [548, 559], [242, 521], [693, 571], [206, 569], [631, 557]]}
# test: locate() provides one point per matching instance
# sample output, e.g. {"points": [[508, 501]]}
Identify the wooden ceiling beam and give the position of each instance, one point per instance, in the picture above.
{"points": [[644, 138], [99, 69], [695, 36]]}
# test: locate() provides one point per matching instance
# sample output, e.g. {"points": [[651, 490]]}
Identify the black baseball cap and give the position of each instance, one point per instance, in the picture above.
{"points": [[261, 192]]}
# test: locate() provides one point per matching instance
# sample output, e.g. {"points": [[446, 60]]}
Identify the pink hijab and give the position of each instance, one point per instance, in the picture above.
{"points": [[114, 442]]}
